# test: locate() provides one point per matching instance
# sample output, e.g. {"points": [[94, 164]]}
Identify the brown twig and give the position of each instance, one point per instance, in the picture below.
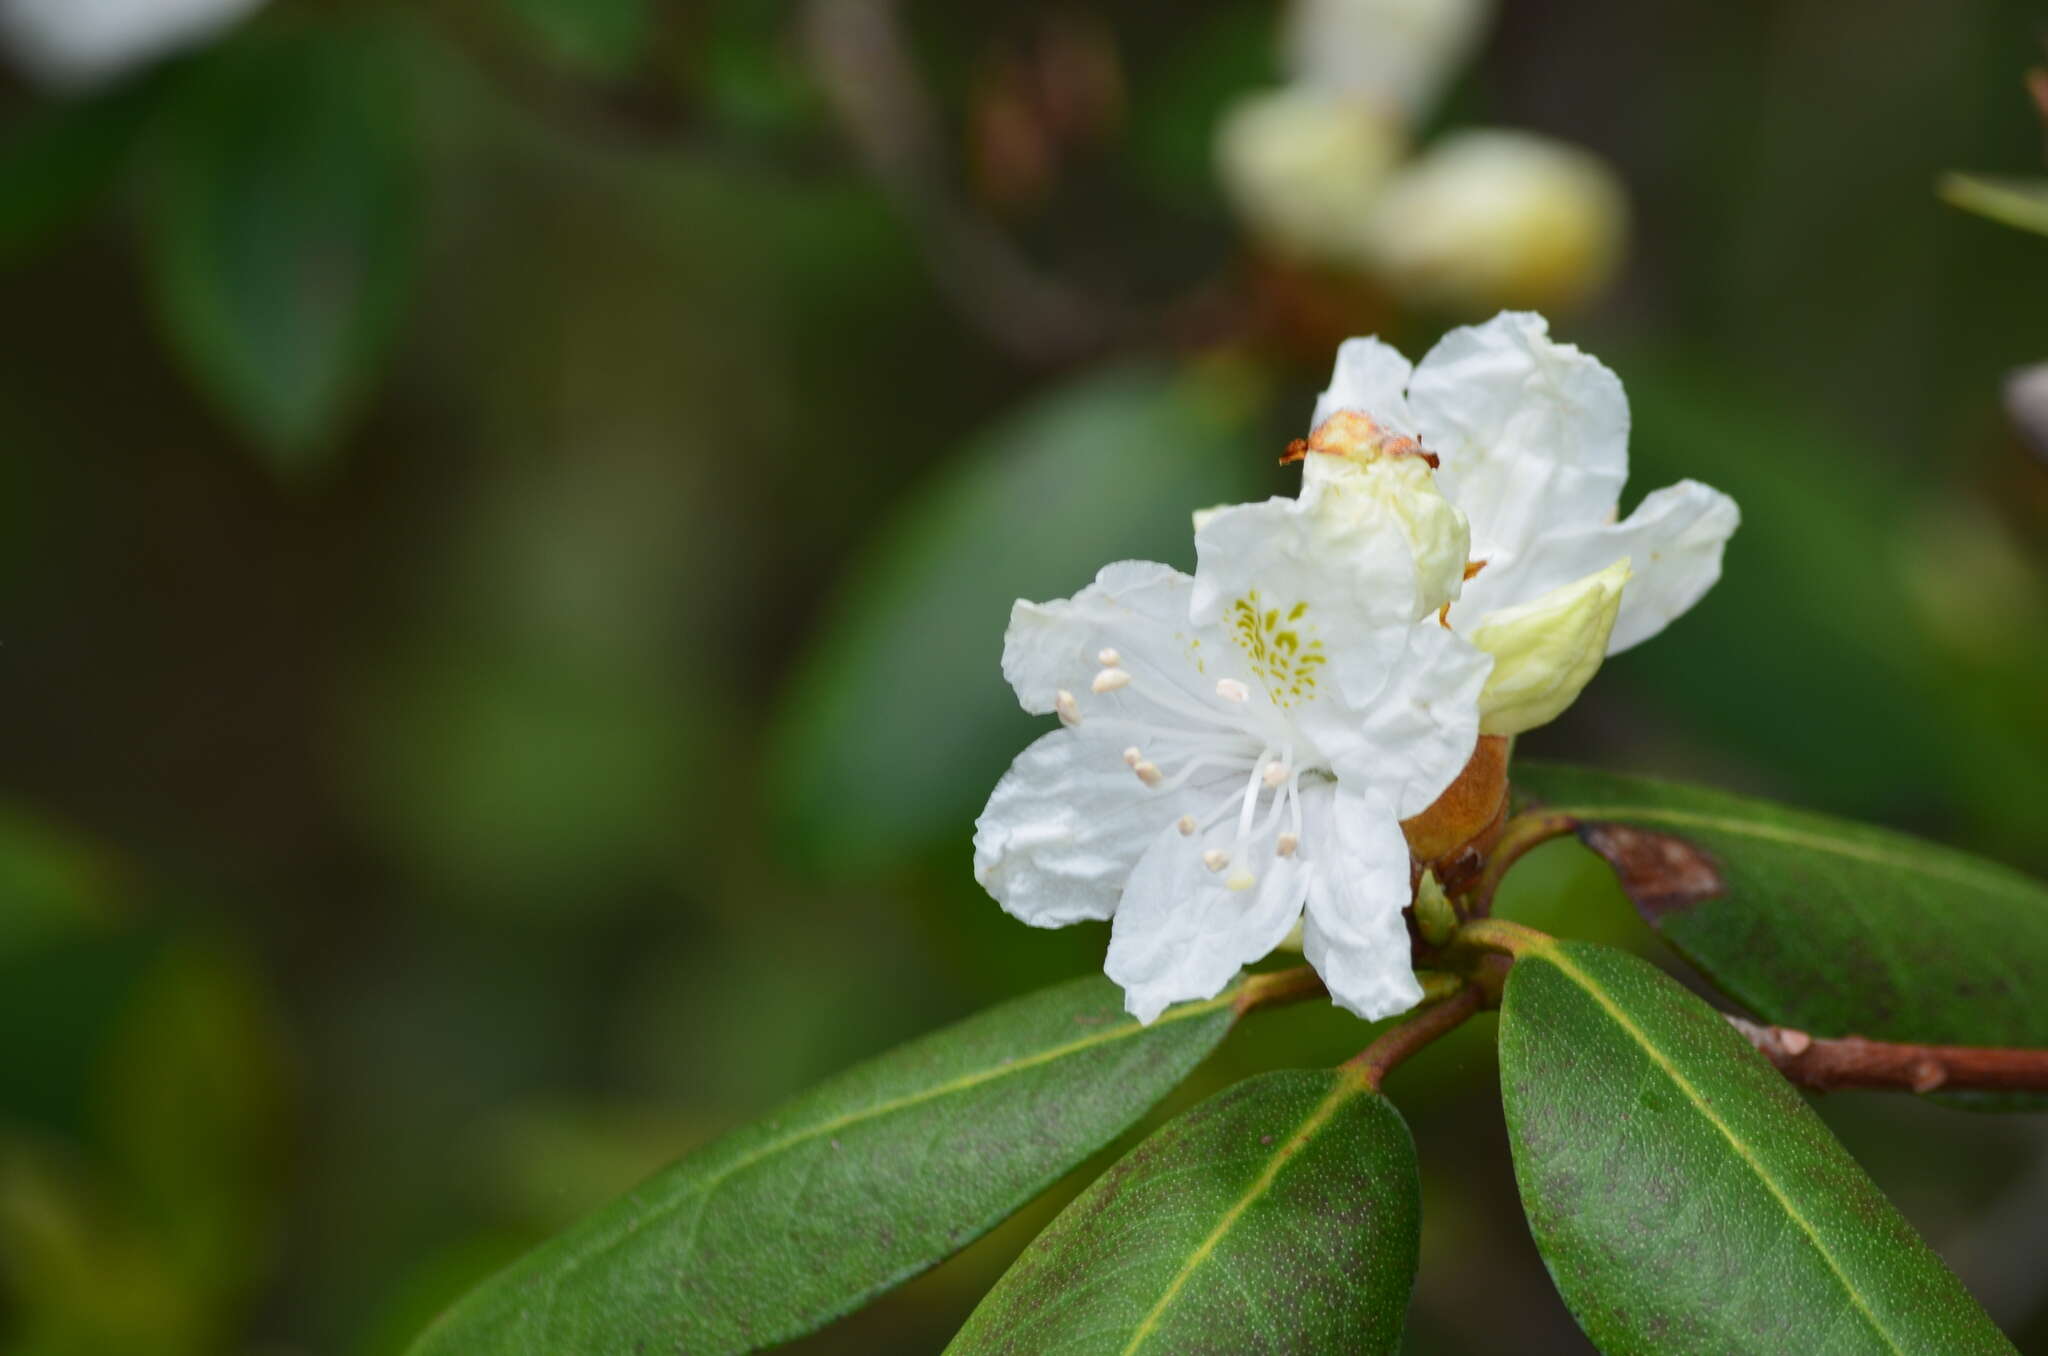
{"points": [[1828, 1063], [1522, 833], [1372, 1064]]}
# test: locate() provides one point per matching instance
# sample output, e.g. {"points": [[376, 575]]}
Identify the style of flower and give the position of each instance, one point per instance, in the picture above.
{"points": [[1237, 747], [1532, 437]]}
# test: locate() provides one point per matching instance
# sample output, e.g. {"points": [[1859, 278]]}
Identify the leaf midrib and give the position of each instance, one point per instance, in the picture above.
{"points": [[1937, 867], [1742, 1150], [1346, 1089], [704, 1187]]}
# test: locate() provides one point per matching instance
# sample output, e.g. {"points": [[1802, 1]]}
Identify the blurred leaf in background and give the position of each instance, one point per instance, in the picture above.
{"points": [[281, 226], [894, 729]]}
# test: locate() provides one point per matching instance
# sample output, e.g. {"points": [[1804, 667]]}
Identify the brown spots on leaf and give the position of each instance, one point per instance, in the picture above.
{"points": [[1660, 874]]}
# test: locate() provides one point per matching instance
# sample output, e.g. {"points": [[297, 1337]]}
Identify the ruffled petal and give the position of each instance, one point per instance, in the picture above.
{"points": [[1533, 434], [1403, 729], [1353, 934], [1182, 933], [1673, 542], [1135, 607], [1372, 378], [1065, 826]]}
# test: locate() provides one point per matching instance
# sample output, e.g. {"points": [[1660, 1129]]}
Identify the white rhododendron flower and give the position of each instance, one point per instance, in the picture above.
{"points": [[1532, 436], [1239, 747], [82, 42], [1486, 218], [1304, 166], [1401, 51]]}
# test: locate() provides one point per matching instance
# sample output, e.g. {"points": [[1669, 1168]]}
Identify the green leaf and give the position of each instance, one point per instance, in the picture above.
{"points": [[281, 227], [2010, 202], [1835, 928], [1684, 1195], [900, 722], [846, 1191], [1283, 1214]]}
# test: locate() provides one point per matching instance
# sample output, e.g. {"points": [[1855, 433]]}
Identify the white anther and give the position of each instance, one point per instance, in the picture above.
{"points": [[1132, 757], [1186, 825], [1275, 774], [1287, 844], [1215, 859], [1148, 773], [1109, 680], [1240, 880], [1069, 709], [1109, 659], [1232, 691]]}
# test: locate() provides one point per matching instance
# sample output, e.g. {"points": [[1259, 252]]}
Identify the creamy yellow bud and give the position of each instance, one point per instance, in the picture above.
{"points": [[1487, 220], [1545, 651], [1365, 479], [1303, 167]]}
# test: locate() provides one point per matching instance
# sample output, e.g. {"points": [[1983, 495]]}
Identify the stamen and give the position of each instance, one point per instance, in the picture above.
{"points": [[1287, 845], [1069, 709], [1149, 773], [1109, 680], [1132, 757], [1215, 859], [1232, 691], [1240, 879], [1275, 774], [1186, 825], [1109, 659]]}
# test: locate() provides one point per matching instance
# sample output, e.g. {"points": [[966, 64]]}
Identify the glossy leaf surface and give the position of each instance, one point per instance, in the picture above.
{"points": [[1818, 923], [1684, 1195], [869, 1179], [1281, 1215]]}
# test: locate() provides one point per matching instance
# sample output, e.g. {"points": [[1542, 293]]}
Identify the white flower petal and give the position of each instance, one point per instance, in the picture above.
{"points": [[1372, 378], [1135, 607], [1673, 541], [1182, 933], [1066, 824], [1353, 933], [1404, 729], [1533, 434], [1355, 570]]}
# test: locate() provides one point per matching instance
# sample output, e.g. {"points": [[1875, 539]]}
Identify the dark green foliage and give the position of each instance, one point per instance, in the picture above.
{"points": [[1281, 1215], [1684, 1196]]}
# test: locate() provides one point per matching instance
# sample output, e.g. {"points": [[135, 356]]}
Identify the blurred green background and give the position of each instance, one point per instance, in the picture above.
{"points": [[509, 513]]}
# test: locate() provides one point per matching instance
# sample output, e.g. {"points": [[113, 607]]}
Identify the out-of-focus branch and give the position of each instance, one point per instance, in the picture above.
{"points": [[1825, 1064], [865, 69], [1372, 1064]]}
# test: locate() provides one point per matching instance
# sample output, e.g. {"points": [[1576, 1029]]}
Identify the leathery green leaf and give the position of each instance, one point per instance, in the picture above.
{"points": [[1816, 923], [1684, 1195], [865, 1181], [1281, 1215]]}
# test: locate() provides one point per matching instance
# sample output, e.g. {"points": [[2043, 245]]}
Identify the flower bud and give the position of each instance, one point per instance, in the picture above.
{"points": [[1303, 167], [1546, 650], [1400, 52], [1488, 220], [1357, 475]]}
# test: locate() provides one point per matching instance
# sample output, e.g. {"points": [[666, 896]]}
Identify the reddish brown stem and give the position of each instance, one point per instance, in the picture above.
{"points": [[1372, 1064], [1522, 833], [1825, 1063]]}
